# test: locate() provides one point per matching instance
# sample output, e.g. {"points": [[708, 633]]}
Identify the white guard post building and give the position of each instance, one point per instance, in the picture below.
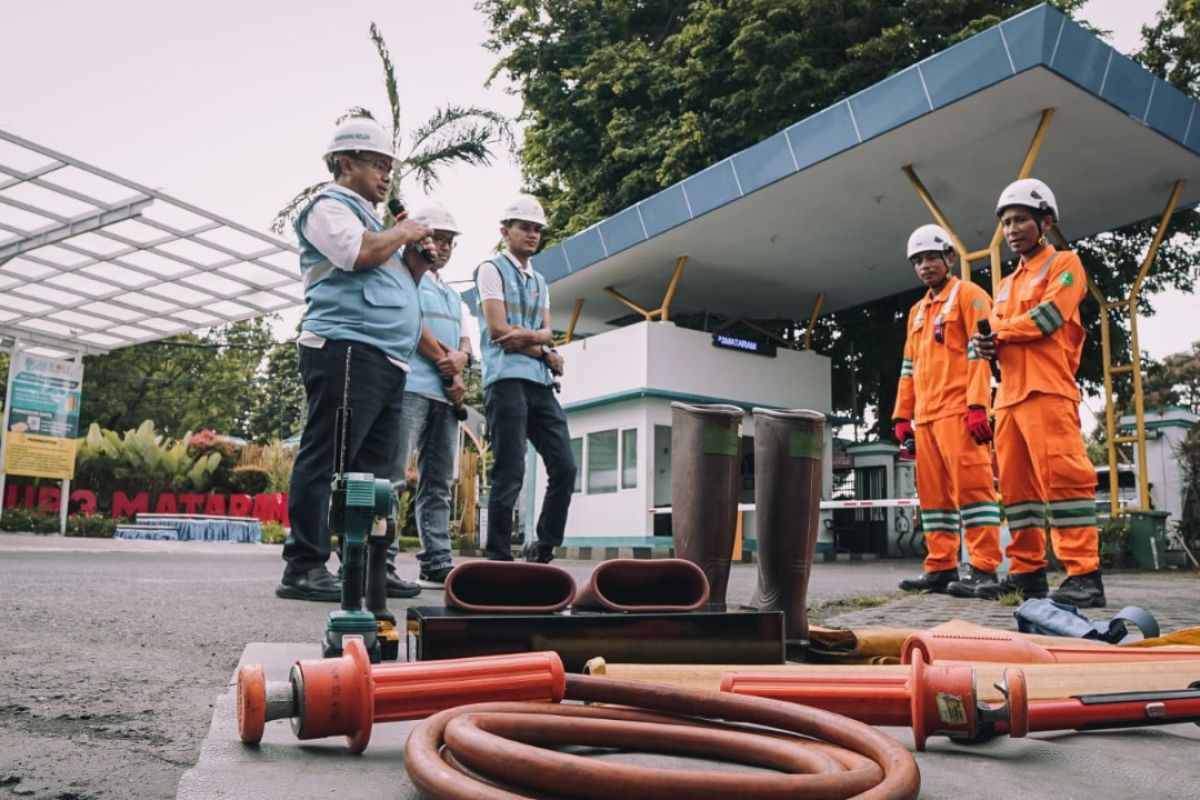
{"points": [[706, 292]]}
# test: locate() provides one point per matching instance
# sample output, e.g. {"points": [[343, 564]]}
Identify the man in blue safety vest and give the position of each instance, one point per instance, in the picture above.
{"points": [[519, 369], [357, 294], [434, 391]]}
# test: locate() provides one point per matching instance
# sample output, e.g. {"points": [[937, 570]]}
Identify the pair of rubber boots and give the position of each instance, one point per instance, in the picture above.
{"points": [[706, 482]]}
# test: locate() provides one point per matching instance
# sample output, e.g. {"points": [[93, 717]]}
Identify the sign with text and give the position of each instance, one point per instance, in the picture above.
{"points": [[43, 417], [757, 346]]}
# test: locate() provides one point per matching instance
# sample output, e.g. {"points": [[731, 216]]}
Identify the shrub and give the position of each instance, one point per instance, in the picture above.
{"points": [[203, 444], [273, 533], [249, 480], [141, 460], [23, 520], [1115, 548], [273, 457], [91, 526]]}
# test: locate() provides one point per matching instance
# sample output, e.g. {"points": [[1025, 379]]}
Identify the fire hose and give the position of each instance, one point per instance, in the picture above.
{"points": [[492, 751], [477, 749]]}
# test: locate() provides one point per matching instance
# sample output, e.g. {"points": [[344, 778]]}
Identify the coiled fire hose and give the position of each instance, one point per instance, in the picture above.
{"points": [[494, 751]]}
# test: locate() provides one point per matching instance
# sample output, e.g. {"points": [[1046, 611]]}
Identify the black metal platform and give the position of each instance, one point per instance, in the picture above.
{"points": [[715, 636]]}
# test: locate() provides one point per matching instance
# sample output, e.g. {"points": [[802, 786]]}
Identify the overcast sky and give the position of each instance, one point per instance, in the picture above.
{"points": [[228, 104]]}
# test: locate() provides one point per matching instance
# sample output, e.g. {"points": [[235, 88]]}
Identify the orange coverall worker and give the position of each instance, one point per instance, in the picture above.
{"points": [[1040, 451], [941, 376]]}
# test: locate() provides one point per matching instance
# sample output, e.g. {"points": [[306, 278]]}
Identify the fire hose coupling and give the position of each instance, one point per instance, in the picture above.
{"points": [[345, 696]]}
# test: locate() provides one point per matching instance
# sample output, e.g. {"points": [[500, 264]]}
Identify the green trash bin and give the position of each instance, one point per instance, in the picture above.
{"points": [[1148, 538]]}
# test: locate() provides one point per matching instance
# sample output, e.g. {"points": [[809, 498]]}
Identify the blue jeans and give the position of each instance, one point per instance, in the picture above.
{"points": [[430, 427], [517, 411]]}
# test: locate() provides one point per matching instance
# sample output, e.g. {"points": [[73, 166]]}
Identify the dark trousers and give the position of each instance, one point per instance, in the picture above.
{"points": [[376, 396], [518, 410]]}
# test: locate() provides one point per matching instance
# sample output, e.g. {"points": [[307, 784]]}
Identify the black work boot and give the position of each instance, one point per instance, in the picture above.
{"points": [[315, 584], [968, 585], [1029, 585], [935, 582], [399, 588], [1081, 591]]}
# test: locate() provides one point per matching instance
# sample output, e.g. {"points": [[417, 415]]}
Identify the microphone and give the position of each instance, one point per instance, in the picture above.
{"points": [[460, 411], [399, 213], [985, 330]]}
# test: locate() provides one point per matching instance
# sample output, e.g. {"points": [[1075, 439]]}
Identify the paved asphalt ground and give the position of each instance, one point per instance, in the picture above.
{"points": [[113, 653]]}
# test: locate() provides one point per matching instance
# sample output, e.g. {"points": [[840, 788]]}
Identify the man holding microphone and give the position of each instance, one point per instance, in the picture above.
{"points": [[358, 294]]}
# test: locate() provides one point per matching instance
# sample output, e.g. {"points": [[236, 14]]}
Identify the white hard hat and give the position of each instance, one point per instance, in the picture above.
{"points": [[526, 207], [360, 133], [929, 238], [436, 216], [1028, 192]]}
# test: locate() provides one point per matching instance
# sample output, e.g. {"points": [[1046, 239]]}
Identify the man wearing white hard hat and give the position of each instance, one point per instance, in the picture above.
{"points": [[1038, 339], [357, 295], [520, 366], [945, 387], [434, 391]]}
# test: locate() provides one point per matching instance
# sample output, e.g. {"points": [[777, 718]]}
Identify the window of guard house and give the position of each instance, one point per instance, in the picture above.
{"points": [[577, 453], [629, 458], [602, 462]]}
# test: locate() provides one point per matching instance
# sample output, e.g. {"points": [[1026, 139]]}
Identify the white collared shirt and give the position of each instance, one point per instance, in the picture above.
{"points": [[491, 287]]}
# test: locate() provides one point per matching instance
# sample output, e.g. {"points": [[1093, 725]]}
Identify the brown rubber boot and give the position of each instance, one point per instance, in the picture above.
{"points": [[705, 456], [788, 448]]}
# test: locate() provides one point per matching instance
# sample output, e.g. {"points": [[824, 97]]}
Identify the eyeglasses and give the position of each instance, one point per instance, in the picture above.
{"points": [[379, 164], [445, 240], [938, 335]]}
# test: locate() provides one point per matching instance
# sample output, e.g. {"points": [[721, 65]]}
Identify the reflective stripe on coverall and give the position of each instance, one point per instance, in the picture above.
{"points": [[1039, 447], [938, 381]]}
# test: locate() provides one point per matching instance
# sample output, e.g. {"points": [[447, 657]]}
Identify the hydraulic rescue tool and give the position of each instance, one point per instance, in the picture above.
{"points": [[942, 700], [346, 695], [361, 508]]}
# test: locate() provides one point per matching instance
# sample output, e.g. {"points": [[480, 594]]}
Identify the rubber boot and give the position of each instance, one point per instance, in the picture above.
{"points": [[788, 448], [705, 456]]}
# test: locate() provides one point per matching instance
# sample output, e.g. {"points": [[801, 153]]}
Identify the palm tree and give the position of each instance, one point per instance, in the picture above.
{"points": [[454, 134]]}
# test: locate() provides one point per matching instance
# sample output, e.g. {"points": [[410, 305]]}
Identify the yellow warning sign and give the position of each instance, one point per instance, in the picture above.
{"points": [[39, 456]]}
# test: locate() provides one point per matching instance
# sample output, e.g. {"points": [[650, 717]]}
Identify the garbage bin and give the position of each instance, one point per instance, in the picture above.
{"points": [[1148, 538]]}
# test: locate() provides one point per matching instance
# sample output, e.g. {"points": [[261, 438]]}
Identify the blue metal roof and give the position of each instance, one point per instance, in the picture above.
{"points": [[1039, 37]]}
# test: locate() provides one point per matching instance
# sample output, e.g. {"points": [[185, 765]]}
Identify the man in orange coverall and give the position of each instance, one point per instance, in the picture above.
{"points": [[1037, 337], [946, 388]]}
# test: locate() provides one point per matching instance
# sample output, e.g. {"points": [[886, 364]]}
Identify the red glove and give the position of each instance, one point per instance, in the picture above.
{"points": [[978, 425], [903, 430]]}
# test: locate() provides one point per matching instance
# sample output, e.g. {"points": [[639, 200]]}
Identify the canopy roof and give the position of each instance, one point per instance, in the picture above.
{"points": [[90, 261], [824, 206]]}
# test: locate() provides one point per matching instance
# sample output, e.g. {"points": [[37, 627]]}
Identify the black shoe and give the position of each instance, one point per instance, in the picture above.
{"points": [[399, 588], [968, 585], [434, 578], [537, 553], [935, 582], [1081, 591], [315, 584], [1029, 585]]}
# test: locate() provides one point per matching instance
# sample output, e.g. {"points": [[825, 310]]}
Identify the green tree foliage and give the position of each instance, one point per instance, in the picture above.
{"points": [[1172, 45], [453, 135], [278, 405], [1175, 381], [187, 382], [623, 98]]}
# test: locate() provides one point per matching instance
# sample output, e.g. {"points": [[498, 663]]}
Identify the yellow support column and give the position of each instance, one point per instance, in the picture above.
{"points": [[1035, 148], [812, 321], [992, 251]]}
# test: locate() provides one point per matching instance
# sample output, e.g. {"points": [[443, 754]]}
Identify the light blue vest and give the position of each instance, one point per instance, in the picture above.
{"points": [[523, 300], [379, 306], [441, 311]]}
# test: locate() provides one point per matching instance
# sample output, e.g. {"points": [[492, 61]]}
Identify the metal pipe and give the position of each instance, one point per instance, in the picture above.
{"points": [[931, 204], [812, 320], [1035, 148], [664, 312]]}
